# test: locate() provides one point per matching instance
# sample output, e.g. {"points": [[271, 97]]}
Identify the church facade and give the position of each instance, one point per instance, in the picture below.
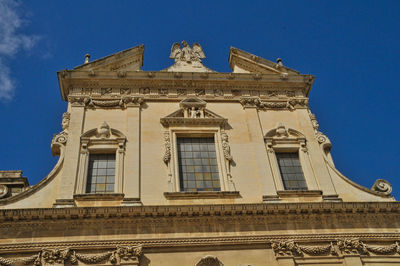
{"points": [[189, 166]]}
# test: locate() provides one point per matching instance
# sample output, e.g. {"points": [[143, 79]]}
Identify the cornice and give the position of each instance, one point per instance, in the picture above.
{"points": [[267, 241], [160, 82], [207, 210]]}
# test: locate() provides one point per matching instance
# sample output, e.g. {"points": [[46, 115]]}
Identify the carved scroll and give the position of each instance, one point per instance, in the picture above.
{"points": [[382, 186]]}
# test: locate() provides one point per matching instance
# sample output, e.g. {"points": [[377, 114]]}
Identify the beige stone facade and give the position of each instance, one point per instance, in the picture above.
{"points": [[250, 213]]}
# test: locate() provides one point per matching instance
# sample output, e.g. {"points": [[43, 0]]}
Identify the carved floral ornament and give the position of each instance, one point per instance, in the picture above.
{"points": [[69, 255], [132, 253], [209, 261], [90, 102], [290, 104], [334, 248]]}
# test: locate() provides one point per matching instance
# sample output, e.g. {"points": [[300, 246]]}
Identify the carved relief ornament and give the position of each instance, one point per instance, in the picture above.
{"points": [[335, 248], [290, 104], [382, 186], [209, 261], [64, 255], [193, 112], [90, 102]]}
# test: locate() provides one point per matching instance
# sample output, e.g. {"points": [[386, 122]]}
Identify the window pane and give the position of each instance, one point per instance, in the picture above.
{"points": [[101, 173], [198, 170], [291, 172]]}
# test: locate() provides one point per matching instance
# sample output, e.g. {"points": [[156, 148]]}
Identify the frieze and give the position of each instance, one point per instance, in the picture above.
{"points": [[338, 247], [324, 210], [271, 98], [132, 251], [289, 104], [90, 102], [63, 255]]}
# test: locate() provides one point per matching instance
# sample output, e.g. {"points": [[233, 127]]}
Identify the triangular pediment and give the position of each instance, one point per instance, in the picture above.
{"points": [[192, 101], [192, 111], [243, 62], [127, 60]]}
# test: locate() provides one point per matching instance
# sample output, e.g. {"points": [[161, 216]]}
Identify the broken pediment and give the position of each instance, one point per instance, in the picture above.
{"points": [[128, 60], [243, 62], [193, 111], [187, 59]]}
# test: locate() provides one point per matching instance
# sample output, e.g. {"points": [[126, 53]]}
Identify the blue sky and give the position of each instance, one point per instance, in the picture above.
{"points": [[352, 47]]}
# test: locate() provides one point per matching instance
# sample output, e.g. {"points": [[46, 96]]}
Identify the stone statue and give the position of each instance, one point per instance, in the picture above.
{"points": [[186, 54]]}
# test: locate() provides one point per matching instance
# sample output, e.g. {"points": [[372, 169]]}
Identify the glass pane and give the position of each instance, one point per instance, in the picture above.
{"points": [[198, 169], [291, 172], [101, 173]]}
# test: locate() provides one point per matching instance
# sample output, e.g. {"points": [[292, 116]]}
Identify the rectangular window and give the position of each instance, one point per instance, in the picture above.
{"points": [[291, 172], [198, 167], [101, 173]]}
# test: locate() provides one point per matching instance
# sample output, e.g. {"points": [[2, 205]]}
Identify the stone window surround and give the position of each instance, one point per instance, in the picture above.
{"points": [[290, 141], [89, 145], [214, 132]]}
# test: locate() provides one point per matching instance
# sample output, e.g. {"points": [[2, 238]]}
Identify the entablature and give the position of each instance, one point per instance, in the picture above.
{"points": [[174, 84]]}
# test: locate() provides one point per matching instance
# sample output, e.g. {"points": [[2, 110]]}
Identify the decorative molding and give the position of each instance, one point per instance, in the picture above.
{"points": [[202, 195], [98, 196], [306, 242], [338, 247], [103, 131], [382, 186], [77, 83], [290, 104], [123, 102], [227, 155], [65, 121], [167, 145], [193, 112], [209, 261], [59, 140], [132, 253], [322, 139], [286, 248], [3, 191], [281, 135], [305, 211], [300, 193], [63, 255]]}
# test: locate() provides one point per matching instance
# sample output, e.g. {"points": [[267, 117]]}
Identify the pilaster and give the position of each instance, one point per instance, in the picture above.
{"points": [[131, 185], [72, 149], [263, 167]]}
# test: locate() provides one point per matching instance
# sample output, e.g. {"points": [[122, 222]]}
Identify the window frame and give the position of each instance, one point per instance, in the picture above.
{"points": [[88, 185], [214, 132], [282, 140], [301, 167], [91, 143]]}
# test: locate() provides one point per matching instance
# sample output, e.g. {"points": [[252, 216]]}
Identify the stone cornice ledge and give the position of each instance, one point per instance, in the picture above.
{"points": [[202, 195], [99, 196], [230, 210], [299, 192]]}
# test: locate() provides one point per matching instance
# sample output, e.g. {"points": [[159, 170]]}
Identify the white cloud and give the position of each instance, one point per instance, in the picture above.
{"points": [[11, 41]]}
